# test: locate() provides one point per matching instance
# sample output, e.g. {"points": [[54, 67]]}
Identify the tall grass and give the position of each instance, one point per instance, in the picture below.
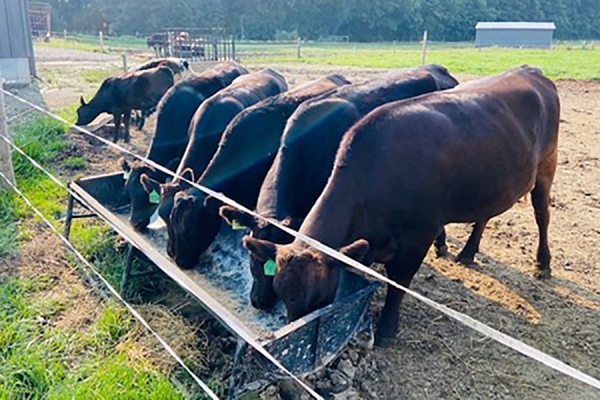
{"points": [[40, 359]]}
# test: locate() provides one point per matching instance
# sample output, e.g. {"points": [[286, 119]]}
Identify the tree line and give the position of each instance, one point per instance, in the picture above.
{"points": [[361, 20]]}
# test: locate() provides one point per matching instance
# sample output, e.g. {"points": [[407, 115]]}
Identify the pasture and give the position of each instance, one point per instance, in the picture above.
{"points": [[434, 357], [566, 60]]}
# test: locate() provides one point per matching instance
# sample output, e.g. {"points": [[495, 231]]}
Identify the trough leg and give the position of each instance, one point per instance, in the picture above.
{"points": [[127, 271], [236, 373], [68, 217]]}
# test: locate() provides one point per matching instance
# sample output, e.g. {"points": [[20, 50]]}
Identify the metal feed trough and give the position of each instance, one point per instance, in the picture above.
{"points": [[221, 283]]}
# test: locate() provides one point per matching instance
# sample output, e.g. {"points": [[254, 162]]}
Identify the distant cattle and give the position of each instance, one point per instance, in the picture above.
{"points": [[175, 111], [238, 168], [209, 123], [309, 144], [410, 167], [138, 90], [180, 68]]}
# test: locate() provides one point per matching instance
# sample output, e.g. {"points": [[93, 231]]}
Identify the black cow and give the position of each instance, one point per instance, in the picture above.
{"points": [[410, 167], [175, 111], [238, 168], [180, 68], [305, 159], [138, 90], [209, 123]]}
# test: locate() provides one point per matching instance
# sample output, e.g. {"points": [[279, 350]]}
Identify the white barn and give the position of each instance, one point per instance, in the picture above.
{"points": [[514, 34]]}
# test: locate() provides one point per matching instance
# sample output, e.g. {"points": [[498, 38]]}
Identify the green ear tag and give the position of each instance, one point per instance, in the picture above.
{"points": [[154, 197], [269, 268], [126, 175], [236, 226]]}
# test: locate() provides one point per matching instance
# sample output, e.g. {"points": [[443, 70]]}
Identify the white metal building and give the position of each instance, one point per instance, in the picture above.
{"points": [[514, 34]]}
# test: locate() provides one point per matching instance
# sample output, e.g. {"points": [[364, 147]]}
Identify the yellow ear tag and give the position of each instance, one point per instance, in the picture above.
{"points": [[236, 226], [269, 268], [154, 197]]}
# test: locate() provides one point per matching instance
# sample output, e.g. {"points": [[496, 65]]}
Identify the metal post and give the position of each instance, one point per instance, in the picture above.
{"points": [[233, 55], [127, 270], [100, 35], [68, 217], [5, 157], [424, 48], [236, 373], [124, 56]]}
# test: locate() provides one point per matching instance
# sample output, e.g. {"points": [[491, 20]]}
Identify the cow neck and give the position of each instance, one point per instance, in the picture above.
{"points": [[329, 220]]}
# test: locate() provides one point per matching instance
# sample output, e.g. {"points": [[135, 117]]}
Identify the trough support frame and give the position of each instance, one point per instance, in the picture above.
{"points": [[132, 251], [236, 373]]}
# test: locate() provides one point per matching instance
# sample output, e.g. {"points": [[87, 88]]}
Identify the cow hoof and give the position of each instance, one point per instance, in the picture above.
{"points": [[384, 341], [543, 274], [441, 252], [465, 259]]}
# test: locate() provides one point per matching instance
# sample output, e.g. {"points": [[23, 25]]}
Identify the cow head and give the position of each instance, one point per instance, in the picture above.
{"points": [[194, 223], [142, 185], [262, 295], [139, 178], [169, 190], [305, 279], [86, 113]]}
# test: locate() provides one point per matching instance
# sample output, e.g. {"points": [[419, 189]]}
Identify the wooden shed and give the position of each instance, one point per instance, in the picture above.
{"points": [[17, 62], [514, 34]]}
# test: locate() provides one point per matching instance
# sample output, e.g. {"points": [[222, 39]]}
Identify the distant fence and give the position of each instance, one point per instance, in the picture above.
{"points": [[194, 44]]}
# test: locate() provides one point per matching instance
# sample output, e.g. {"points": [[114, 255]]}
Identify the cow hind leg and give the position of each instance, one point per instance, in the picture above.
{"points": [[467, 254], [126, 121], [540, 198], [441, 249], [401, 270], [140, 120], [117, 120]]}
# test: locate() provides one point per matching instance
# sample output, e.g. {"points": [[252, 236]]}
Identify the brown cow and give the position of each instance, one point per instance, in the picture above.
{"points": [[119, 95], [410, 167]]}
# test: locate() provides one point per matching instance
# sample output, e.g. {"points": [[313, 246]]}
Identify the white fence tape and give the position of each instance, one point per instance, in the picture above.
{"points": [[472, 323]]}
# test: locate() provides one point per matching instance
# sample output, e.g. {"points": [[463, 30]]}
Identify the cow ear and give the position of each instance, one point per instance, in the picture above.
{"points": [[236, 218], [188, 174], [212, 204], [292, 223], [82, 101], [263, 249], [357, 250], [125, 166], [149, 184]]}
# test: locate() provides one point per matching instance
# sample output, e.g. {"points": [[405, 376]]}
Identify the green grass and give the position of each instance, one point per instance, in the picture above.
{"points": [[91, 43], [39, 359], [566, 61], [74, 163], [98, 75]]}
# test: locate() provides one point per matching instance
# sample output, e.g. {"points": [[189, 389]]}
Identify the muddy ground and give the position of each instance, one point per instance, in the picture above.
{"points": [[435, 357]]}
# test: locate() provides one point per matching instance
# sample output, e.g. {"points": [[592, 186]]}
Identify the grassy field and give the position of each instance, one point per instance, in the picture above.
{"points": [[566, 60], [574, 60], [49, 347]]}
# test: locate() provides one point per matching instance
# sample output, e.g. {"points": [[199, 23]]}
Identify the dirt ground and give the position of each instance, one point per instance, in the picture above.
{"points": [[435, 357]]}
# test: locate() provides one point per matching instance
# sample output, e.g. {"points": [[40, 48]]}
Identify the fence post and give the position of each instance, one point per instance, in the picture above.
{"points": [[299, 48], [124, 56], [100, 35], [5, 158], [65, 34], [233, 55], [424, 48]]}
